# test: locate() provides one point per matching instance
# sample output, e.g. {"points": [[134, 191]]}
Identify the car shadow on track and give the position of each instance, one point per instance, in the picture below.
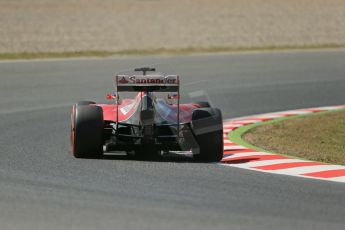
{"points": [[239, 161], [175, 158]]}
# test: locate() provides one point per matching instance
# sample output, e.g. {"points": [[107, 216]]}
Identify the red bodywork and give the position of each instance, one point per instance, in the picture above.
{"points": [[128, 107]]}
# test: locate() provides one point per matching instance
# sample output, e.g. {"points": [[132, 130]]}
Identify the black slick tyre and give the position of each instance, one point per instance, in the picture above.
{"points": [[85, 103], [207, 126], [203, 104], [87, 131]]}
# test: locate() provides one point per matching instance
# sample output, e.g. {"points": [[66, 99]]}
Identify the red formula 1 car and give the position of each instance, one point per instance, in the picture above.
{"points": [[149, 124]]}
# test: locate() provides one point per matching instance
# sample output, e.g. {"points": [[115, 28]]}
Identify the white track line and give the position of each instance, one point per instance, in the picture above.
{"points": [[268, 116], [232, 125], [247, 154], [227, 130], [337, 179], [331, 107], [293, 113], [234, 147], [245, 122], [307, 169], [227, 141]]}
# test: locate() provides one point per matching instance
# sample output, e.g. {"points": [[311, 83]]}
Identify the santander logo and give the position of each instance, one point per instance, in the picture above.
{"points": [[123, 80], [148, 80]]}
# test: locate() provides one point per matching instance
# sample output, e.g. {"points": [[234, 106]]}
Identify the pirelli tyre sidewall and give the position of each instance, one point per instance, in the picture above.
{"points": [[207, 127], [87, 131], [73, 121]]}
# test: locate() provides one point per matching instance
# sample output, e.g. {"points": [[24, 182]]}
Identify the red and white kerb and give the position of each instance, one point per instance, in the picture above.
{"points": [[242, 157]]}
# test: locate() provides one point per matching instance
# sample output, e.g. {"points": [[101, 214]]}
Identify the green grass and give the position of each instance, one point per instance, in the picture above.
{"points": [[318, 137], [160, 51]]}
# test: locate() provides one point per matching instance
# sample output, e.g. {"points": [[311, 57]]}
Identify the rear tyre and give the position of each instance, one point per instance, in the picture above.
{"points": [[85, 103], [207, 126], [203, 104], [87, 131]]}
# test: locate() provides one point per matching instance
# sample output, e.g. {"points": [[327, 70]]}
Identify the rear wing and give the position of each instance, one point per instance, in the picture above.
{"points": [[155, 82], [147, 83]]}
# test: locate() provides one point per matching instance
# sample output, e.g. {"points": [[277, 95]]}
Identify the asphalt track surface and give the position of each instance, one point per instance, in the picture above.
{"points": [[43, 187]]}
